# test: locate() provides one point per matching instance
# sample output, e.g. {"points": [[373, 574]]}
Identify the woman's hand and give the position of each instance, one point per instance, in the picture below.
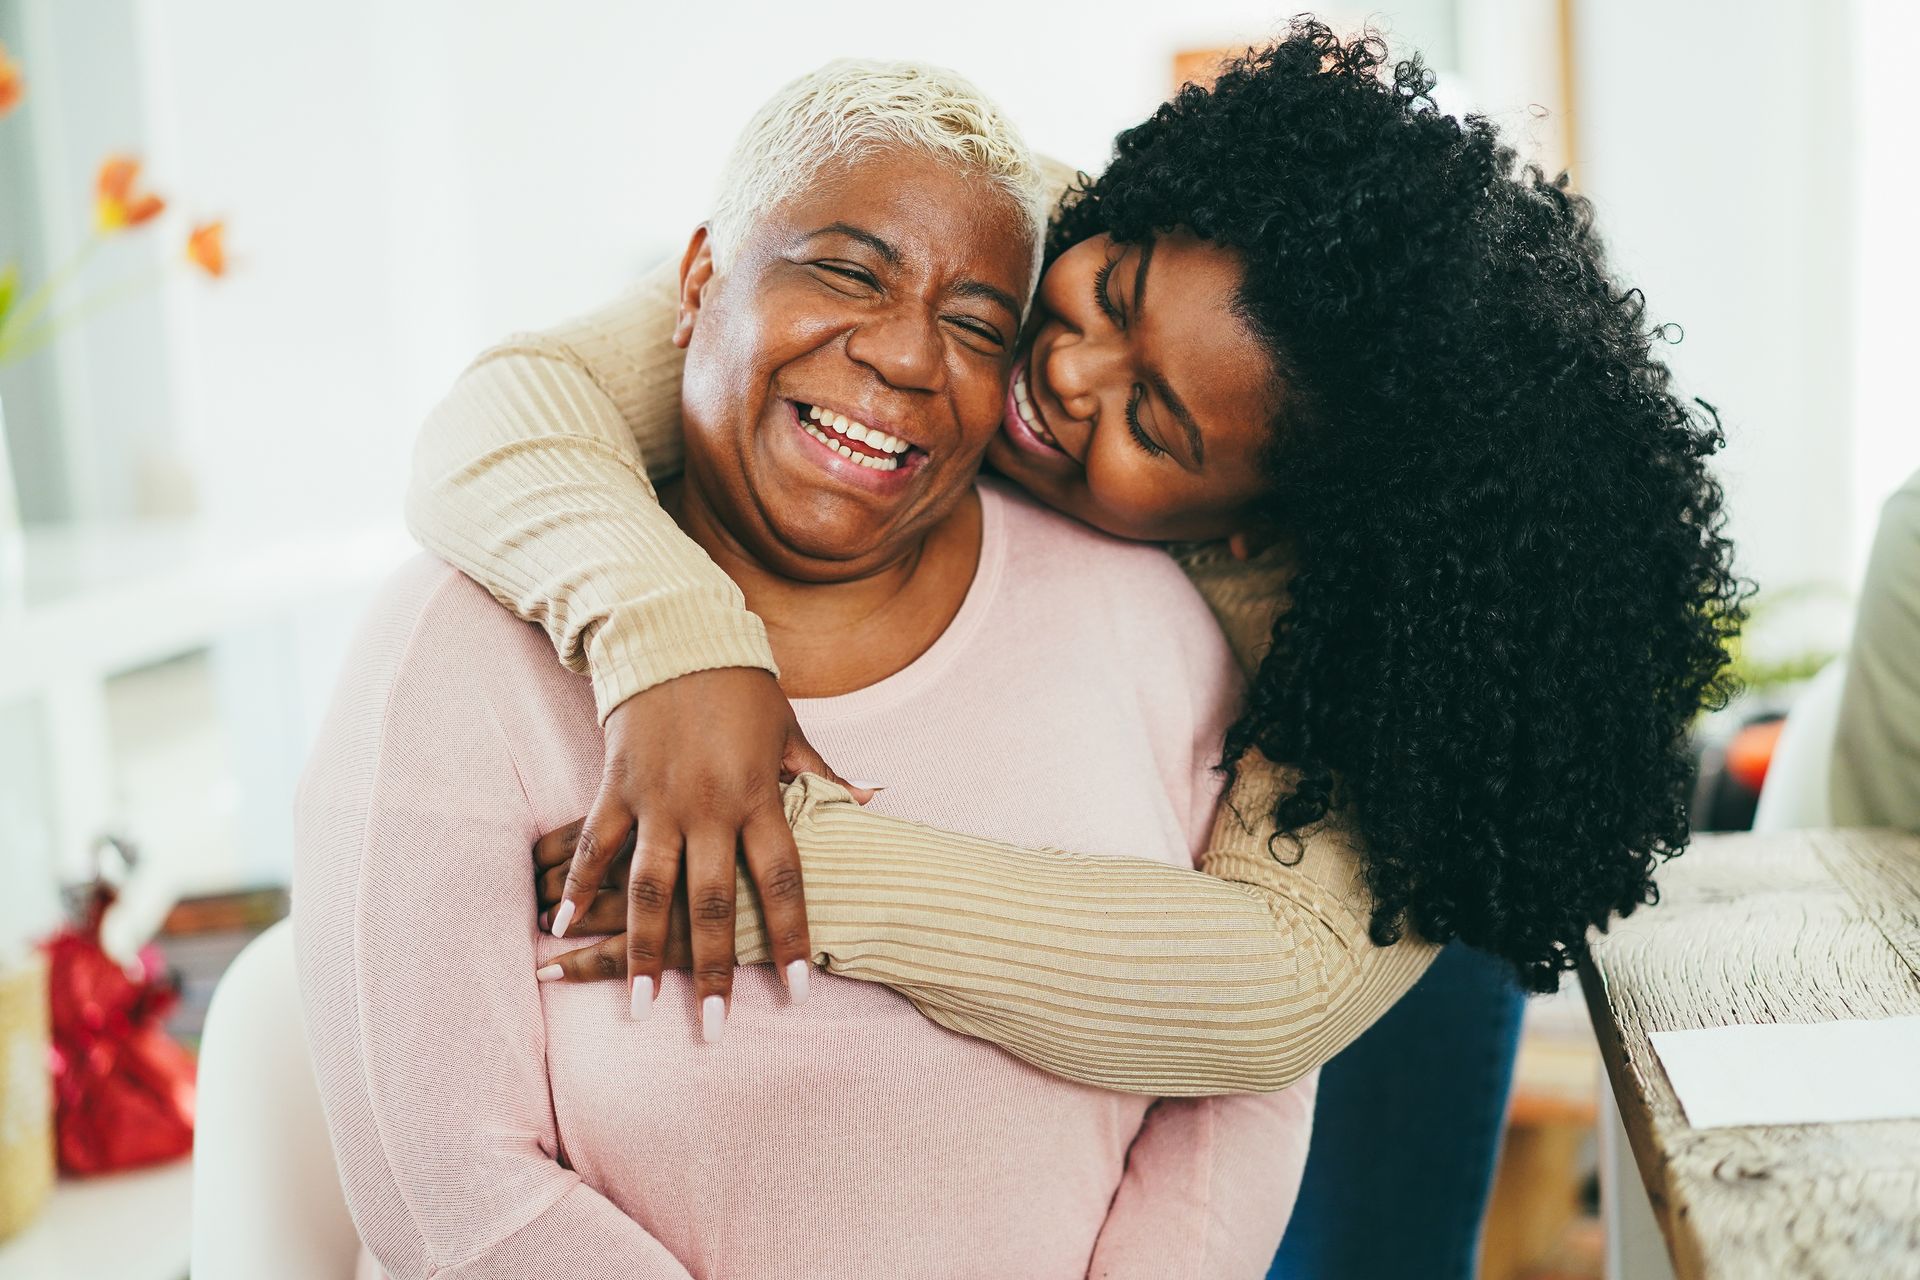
{"points": [[606, 957], [693, 768]]}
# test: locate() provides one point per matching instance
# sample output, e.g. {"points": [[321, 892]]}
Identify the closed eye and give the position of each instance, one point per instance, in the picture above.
{"points": [[857, 274], [1100, 296], [1134, 429]]}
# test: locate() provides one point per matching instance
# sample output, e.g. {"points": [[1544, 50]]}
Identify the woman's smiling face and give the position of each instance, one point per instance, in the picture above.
{"points": [[846, 370], [1144, 399]]}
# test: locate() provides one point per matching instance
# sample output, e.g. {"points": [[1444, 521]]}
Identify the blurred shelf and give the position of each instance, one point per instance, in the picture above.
{"points": [[94, 600], [120, 1226]]}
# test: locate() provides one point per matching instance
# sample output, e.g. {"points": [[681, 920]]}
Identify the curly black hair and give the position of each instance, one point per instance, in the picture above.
{"points": [[1512, 591]]}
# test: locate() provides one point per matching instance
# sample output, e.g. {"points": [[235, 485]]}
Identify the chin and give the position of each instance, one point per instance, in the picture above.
{"points": [[822, 550]]}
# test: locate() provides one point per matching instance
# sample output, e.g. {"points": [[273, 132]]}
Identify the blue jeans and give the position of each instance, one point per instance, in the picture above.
{"points": [[1406, 1132]]}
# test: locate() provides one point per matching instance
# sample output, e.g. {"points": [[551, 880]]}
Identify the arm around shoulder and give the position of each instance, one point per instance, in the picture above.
{"points": [[532, 477], [1241, 977]]}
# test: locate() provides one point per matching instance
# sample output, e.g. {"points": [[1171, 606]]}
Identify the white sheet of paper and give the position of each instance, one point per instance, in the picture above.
{"points": [[1814, 1073]]}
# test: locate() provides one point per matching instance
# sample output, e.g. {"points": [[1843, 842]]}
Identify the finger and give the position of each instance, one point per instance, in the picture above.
{"points": [[608, 914], [710, 871], [603, 832], [603, 960], [800, 757], [550, 885], [773, 861], [555, 849], [649, 908]]}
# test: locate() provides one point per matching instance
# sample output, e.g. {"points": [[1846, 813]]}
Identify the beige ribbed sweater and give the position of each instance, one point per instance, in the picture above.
{"points": [[532, 476]]}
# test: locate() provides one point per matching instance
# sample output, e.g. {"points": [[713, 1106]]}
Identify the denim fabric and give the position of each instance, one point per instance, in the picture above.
{"points": [[1407, 1131]]}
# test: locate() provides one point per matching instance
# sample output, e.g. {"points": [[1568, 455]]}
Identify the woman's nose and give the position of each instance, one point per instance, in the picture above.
{"points": [[902, 346], [1073, 374]]}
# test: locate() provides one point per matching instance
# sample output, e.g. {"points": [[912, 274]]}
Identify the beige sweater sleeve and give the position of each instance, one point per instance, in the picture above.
{"points": [[532, 478]]}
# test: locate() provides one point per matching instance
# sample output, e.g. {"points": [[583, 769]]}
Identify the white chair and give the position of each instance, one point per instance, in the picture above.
{"points": [[1795, 796], [266, 1195]]}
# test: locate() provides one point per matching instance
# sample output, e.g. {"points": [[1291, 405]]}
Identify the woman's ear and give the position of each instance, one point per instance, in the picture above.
{"points": [[696, 272]]}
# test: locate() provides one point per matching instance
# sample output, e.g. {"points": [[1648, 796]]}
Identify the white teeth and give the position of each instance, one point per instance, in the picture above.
{"points": [[873, 464], [851, 430]]}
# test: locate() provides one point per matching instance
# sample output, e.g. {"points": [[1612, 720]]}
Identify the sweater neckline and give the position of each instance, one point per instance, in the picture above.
{"points": [[909, 680]]}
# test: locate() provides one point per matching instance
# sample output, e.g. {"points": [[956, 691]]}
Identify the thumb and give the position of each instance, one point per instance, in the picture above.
{"points": [[800, 757]]}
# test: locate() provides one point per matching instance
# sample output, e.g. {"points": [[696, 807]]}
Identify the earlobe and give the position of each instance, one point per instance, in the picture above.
{"points": [[696, 272], [1250, 543]]}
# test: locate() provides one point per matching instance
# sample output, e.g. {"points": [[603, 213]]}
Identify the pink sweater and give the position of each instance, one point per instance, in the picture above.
{"points": [[490, 1126]]}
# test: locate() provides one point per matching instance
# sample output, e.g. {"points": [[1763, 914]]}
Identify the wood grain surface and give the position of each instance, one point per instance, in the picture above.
{"points": [[1803, 926]]}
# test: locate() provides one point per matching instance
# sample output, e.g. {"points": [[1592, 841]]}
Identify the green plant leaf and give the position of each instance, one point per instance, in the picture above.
{"points": [[9, 286]]}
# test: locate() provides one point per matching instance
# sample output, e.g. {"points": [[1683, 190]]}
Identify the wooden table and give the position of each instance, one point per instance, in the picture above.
{"points": [[1802, 926]]}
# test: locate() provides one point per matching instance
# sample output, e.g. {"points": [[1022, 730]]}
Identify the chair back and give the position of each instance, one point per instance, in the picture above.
{"points": [[1794, 796], [266, 1192]]}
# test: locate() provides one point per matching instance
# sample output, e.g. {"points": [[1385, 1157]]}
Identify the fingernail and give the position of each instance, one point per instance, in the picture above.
{"points": [[797, 982], [713, 1018], [550, 973], [546, 919], [641, 1003], [562, 918], [867, 786]]}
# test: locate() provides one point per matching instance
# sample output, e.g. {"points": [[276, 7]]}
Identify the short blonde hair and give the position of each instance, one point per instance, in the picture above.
{"points": [[851, 106]]}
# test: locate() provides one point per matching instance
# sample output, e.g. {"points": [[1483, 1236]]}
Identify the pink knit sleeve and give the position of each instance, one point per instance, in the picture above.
{"points": [[1209, 1186], [413, 922]]}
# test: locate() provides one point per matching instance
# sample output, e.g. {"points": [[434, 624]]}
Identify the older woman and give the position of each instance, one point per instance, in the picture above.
{"points": [[919, 621]]}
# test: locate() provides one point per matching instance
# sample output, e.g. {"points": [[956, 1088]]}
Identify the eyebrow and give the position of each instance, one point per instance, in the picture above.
{"points": [[992, 293], [963, 289], [872, 241], [1181, 413]]}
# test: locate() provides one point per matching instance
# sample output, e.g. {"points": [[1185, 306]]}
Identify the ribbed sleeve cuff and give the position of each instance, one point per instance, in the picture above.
{"points": [[627, 656]]}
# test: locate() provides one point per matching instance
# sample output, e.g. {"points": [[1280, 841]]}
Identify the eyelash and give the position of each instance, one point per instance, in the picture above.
{"points": [[1100, 297], [1140, 437]]}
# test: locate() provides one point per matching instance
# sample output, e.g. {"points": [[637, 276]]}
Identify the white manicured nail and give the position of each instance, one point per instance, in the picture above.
{"points": [[641, 1002], [797, 982], [549, 973], [713, 1019], [867, 786], [562, 918]]}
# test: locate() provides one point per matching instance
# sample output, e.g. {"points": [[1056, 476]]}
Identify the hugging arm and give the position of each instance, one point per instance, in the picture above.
{"points": [[1128, 974], [416, 958]]}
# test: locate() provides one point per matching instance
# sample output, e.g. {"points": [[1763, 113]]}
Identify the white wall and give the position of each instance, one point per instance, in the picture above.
{"points": [[1717, 139], [1886, 261]]}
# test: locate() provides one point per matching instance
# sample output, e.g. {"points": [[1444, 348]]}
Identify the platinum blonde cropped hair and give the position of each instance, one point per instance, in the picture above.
{"points": [[851, 106]]}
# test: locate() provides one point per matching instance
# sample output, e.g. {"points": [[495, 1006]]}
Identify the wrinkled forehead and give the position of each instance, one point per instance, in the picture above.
{"points": [[932, 210]]}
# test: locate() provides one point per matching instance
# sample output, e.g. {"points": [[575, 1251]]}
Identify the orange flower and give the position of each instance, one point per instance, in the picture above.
{"points": [[116, 205], [13, 86], [207, 249]]}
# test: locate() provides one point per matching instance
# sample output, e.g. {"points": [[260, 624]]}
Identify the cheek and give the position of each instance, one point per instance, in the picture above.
{"points": [[979, 398], [1129, 488]]}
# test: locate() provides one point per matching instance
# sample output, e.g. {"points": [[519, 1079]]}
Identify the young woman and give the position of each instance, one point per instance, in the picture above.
{"points": [[1431, 476]]}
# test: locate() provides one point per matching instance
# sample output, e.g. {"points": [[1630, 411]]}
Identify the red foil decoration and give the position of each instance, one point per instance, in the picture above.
{"points": [[123, 1089]]}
